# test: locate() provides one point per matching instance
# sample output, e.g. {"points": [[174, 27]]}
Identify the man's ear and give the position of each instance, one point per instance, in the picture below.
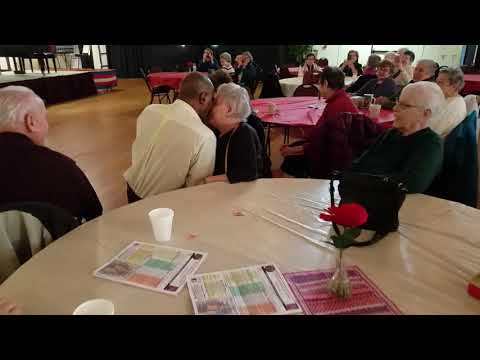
{"points": [[30, 123], [202, 98]]}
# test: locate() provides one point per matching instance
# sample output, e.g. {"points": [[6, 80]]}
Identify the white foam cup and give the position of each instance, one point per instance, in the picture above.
{"points": [[162, 220]]}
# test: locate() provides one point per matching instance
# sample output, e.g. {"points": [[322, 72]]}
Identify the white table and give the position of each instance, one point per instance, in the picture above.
{"points": [[423, 268], [290, 84]]}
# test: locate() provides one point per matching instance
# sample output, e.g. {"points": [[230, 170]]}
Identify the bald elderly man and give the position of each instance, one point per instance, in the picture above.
{"points": [[31, 171], [173, 148], [411, 152]]}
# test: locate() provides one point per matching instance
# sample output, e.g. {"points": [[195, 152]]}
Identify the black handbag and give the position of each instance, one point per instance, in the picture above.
{"points": [[380, 195]]}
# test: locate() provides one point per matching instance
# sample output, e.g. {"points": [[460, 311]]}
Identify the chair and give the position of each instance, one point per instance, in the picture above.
{"points": [[306, 90], [472, 105], [26, 228], [458, 179], [162, 91], [271, 87], [285, 73], [340, 140]]}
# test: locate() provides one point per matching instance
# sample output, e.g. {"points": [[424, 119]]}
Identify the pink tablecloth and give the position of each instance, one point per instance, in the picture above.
{"points": [[292, 111], [472, 84], [295, 111]]}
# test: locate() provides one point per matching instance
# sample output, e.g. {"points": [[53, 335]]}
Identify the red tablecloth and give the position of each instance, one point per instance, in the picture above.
{"points": [[172, 79], [295, 111], [472, 84]]}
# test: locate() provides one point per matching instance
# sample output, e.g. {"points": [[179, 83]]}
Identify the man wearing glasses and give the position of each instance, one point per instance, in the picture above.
{"points": [[411, 152]]}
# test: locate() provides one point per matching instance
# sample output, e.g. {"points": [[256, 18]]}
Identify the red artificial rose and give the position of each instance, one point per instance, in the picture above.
{"points": [[349, 215]]}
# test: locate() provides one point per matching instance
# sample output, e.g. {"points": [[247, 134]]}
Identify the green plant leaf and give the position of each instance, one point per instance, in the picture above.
{"points": [[352, 233]]}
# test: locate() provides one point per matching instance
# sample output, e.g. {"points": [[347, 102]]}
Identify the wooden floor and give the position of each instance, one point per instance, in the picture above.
{"points": [[98, 133]]}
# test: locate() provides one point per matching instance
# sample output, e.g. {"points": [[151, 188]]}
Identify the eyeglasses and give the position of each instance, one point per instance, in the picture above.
{"points": [[400, 106]]}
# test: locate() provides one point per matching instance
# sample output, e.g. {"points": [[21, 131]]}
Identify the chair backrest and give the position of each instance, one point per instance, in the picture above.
{"points": [[144, 75], [26, 228], [472, 105], [458, 180], [285, 73], [271, 87], [306, 90], [255, 122], [340, 140]]}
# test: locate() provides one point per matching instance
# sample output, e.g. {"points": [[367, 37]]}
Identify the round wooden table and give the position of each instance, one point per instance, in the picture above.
{"points": [[423, 268]]}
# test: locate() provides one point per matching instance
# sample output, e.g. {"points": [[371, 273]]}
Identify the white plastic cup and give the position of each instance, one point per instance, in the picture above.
{"points": [[374, 110], [95, 307], [162, 219]]}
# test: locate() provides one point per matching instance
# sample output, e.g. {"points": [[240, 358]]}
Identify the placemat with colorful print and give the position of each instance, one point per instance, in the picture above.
{"points": [[310, 289]]}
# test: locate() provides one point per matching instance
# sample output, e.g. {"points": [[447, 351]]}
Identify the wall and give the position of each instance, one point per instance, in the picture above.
{"points": [[449, 55]]}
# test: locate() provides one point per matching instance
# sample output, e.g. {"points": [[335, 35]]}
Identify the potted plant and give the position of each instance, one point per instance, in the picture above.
{"points": [[299, 52]]}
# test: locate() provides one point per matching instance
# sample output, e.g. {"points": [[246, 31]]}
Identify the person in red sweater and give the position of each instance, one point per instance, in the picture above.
{"points": [[332, 88]]}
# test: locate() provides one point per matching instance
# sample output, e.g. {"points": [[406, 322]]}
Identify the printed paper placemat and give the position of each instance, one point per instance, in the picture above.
{"points": [[153, 267], [255, 290]]}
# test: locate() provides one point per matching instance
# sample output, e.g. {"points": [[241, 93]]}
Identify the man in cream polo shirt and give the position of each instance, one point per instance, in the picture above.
{"points": [[173, 147]]}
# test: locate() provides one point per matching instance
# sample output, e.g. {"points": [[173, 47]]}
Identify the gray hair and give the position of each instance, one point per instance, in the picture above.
{"points": [[226, 56], [237, 98], [373, 60], [426, 94], [430, 65], [389, 54], [16, 102], [455, 77], [248, 54]]}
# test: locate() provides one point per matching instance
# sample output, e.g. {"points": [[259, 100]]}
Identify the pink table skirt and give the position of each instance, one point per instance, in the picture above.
{"points": [[472, 84], [295, 111]]}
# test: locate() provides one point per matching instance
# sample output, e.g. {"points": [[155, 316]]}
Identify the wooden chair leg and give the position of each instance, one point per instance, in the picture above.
{"points": [[151, 99]]}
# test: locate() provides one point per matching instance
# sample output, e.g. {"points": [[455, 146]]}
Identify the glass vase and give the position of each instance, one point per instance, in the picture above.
{"points": [[339, 284]]}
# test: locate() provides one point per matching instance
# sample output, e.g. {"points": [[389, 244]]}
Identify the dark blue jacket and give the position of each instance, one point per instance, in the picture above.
{"points": [[458, 180]]}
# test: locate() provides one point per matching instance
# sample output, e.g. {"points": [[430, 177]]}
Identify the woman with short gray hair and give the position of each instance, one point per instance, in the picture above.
{"points": [[239, 155], [454, 111], [226, 63]]}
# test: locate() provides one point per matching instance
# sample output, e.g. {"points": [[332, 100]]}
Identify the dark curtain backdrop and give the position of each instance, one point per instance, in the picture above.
{"points": [[127, 59]]}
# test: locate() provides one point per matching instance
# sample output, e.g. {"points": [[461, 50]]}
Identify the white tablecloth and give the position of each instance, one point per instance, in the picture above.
{"points": [[423, 268], [290, 84]]}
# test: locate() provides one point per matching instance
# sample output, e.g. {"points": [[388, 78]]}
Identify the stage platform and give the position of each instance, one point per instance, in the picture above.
{"points": [[55, 87]]}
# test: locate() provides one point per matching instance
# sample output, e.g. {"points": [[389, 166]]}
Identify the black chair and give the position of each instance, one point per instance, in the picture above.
{"points": [[162, 91], [306, 90]]}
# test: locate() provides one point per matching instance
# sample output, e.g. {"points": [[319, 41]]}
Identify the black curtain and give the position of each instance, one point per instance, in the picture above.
{"points": [[127, 59]]}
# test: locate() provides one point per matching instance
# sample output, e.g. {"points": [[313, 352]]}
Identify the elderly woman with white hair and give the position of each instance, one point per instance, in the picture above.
{"points": [[454, 112], [239, 155], [410, 152], [226, 63]]}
